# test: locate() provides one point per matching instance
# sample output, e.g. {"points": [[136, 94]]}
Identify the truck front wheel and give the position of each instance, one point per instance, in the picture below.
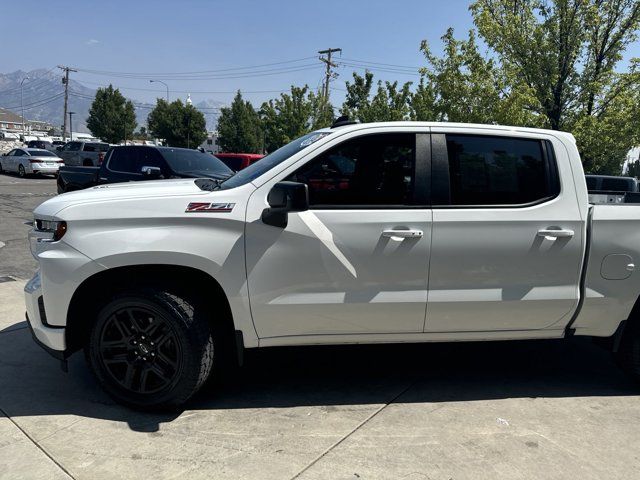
{"points": [[151, 348]]}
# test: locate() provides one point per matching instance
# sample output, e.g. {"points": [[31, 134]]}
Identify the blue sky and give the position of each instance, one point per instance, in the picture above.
{"points": [[140, 36]]}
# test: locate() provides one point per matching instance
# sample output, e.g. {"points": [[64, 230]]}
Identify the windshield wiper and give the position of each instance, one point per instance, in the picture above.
{"points": [[208, 184]]}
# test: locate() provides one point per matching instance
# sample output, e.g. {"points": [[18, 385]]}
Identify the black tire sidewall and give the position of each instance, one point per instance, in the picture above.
{"points": [[191, 346], [21, 171]]}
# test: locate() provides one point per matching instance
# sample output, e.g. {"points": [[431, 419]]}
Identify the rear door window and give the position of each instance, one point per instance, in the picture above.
{"points": [[123, 159], [496, 170], [96, 147]]}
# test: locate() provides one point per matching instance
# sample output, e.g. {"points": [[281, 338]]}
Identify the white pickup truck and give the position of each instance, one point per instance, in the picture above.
{"points": [[359, 233]]}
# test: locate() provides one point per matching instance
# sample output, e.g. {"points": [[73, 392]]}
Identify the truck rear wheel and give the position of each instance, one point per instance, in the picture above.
{"points": [[151, 349], [628, 354]]}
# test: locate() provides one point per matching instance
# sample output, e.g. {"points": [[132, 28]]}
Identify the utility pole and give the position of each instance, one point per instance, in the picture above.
{"points": [[24, 133], [71, 125], [329, 64], [65, 81]]}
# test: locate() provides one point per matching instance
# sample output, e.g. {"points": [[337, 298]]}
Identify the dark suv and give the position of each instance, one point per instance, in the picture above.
{"points": [[135, 163]]}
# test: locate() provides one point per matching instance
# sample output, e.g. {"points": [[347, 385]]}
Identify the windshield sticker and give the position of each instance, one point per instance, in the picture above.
{"points": [[312, 139]]}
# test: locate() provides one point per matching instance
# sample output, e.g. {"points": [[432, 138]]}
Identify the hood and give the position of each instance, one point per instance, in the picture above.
{"points": [[119, 191]]}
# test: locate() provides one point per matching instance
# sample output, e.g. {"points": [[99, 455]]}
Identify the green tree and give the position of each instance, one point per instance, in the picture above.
{"points": [[239, 127], [112, 117], [389, 103], [464, 86], [286, 118], [178, 124], [423, 103], [564, 54], [292, 115], [321, 111]]}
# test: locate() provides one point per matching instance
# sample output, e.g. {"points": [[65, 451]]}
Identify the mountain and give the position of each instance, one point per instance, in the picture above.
{"points": [[211, 111], [43, 97]]}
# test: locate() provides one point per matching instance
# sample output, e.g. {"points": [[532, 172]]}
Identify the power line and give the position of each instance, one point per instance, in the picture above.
{"points": [[184, 91], [221, 76], [379, 69], [383, 64], [138, 105], [35, 103], [148, 74]]}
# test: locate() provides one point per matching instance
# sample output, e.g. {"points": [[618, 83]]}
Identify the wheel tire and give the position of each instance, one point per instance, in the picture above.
{"points": [[21, 172], [628, 354], [184, 349], [1, 171], [87, 163]]}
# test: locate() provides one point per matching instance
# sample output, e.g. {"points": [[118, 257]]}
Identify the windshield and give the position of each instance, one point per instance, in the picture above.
{"points": [[182, 160], [256, 169]]}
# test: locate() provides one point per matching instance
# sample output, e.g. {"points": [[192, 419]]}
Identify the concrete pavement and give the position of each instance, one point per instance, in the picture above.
{"points": [[516, 410]]}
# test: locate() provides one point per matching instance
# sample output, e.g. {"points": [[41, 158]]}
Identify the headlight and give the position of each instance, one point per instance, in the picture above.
{"points": [[54, 228]]}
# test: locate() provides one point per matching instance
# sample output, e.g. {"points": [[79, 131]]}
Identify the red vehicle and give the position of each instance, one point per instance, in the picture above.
{"points": [[238, 161]]}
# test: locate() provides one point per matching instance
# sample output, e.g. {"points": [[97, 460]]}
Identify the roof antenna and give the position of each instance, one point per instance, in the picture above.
{"points": [[343, 120]]}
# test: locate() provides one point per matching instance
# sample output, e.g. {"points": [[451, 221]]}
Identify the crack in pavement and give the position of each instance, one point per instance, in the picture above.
{"points": [[42, 449], [354, 430]]}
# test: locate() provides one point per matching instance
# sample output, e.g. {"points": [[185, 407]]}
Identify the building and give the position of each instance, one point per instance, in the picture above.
{"points": [[210, 144], [11, 125], [9, 121]]}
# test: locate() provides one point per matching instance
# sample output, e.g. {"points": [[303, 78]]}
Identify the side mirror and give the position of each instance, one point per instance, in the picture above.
{"points": [[283, 198], [151, 172]]}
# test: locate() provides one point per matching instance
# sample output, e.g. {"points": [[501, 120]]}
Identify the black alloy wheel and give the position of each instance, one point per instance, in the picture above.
{"points": [[140, 350], [150, 348]]}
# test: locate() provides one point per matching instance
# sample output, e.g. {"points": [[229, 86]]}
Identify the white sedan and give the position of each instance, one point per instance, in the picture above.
{"points": [[25, 161]]}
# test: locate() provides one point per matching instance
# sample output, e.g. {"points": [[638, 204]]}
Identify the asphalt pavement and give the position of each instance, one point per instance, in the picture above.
{"points": [[506, 410]]}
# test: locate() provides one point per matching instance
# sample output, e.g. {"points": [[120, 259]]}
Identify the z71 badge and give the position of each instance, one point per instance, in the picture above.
{"points": [[195, 207]]}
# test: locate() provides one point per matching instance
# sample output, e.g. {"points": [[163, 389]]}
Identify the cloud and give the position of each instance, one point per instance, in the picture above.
{"points": [[92, 41]]}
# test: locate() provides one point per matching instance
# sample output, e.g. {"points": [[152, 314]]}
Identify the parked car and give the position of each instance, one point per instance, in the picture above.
{"points": [[41, 144], [27, 161], [368, 233], [612, 189], [238, 161], [133, 163], [87, 154]]}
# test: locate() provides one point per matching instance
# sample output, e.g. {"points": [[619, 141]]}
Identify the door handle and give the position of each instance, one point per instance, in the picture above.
{"points": [[559, 233], [402, 233]]}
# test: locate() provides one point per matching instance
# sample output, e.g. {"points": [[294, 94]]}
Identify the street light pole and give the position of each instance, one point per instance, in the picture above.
{"points": [[22, 106], [71, 126], [167, 86]]}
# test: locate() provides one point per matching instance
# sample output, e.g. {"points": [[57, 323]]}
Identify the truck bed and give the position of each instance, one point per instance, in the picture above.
{"points": [[77, 178], [611, 284]]}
